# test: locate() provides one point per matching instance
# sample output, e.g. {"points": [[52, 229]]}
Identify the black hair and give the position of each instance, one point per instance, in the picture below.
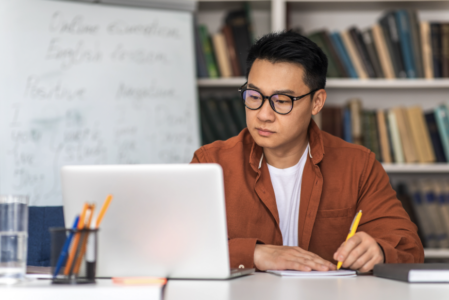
{"points": [[289, 46]]}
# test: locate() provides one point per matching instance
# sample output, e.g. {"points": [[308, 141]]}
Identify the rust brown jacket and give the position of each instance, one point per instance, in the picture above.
{"points": [[339, 179]]}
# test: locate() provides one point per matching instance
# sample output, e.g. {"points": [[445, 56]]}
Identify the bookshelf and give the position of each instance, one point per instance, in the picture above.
{"points": [[338, 15]]}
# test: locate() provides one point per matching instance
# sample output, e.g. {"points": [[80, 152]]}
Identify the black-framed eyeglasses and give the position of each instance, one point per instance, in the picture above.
{"points": [[280, 103]]}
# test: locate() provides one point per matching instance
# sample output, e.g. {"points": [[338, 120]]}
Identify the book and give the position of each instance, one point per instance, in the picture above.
{"points": [[238, 22], [208, 52], [390, 30], [420, 135], [221, 54], [215, 119], [334, 54], [343, 54], [366, 140], [435, 38], [423, 218], [313, 274], [332, 68], [430, 272], [442, 120], [404, 132], [384, 55], [395, 137], [201, 67], [444, 50], [227, 31], [426, 50], [357, 63], [207, 134], [355, 108], [383, 136], [405, 36], [416, 41], [390, 138], [368, 39], [433, 213], [375, 135], [362, 51], [435, 137]]}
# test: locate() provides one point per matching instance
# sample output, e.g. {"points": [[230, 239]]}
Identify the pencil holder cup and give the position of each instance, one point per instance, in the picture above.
{"points": [[73, 255]]}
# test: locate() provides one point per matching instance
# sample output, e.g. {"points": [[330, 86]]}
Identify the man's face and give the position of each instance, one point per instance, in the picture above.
{"points": [[268, 128]]}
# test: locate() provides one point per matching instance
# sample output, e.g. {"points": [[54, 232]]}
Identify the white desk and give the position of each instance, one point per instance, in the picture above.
{"points": [[259, 286], [266, 286]]}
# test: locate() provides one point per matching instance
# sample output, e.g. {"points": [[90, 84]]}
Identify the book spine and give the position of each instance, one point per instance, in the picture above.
{"points": [[208, 53], [416, 42], [384, 55], [406, 43], [338, 43], [227, 31], [383, 137], [396, 139], [435, 137], [332, 70], [442, 120], [435, 37], [347, 130], [361, 50], [353, 55], [200, 58], [389, 25], [224, 64], [372, 52], [445, 50], [426, 50], [334, 54]]}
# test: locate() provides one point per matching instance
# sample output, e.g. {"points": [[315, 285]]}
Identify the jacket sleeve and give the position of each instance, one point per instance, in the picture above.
{"points": [[384, 218], [241, 250]]}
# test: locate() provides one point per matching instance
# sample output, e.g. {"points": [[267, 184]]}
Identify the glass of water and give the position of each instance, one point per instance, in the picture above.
{"points": [[13, 238]]}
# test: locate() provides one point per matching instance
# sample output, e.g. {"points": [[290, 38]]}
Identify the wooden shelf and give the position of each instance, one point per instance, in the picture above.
{"points": [[417, 168], [343, 83], [436, 253]]}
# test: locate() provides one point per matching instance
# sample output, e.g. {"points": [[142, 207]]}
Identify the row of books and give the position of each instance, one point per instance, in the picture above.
{"points": [[398, 46], [221, 118], [427, 203], [223, 54], [396, 135]]}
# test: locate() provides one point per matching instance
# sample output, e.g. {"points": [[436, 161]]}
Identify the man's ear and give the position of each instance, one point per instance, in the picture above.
{"points": [[318, 101]]}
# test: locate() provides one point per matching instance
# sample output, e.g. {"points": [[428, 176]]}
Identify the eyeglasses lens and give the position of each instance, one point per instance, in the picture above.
{"points": [[253, 99], [281, 103]]}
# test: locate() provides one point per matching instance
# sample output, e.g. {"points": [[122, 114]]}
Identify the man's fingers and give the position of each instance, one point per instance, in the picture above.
{"points": [[343, 252], [360, 261], [355, 254], [312, 260], [368, 266]]}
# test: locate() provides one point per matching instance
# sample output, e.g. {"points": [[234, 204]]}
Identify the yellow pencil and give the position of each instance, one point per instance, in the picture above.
{"points": [[103, 210], [352, 230]]}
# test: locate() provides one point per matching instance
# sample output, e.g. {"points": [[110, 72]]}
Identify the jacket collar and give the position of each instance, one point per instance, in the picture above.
{"points": [[316, 148]]}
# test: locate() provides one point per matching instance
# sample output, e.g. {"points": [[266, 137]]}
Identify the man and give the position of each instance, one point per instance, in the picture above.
{"points": [[292, 190]]}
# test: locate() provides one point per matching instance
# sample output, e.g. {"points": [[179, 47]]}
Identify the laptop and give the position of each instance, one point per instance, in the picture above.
{"points": [[164, 220]]}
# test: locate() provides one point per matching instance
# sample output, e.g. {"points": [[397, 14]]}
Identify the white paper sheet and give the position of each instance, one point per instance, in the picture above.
{"points": [[313, 274]]}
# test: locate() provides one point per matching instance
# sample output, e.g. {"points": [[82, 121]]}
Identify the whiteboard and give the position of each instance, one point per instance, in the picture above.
{"points": [[91, 84]]}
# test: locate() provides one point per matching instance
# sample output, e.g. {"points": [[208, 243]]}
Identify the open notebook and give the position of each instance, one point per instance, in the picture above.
{"points": [[314, 274]]}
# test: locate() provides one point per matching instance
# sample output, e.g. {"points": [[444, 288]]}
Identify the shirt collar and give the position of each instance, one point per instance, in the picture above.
{"points": [[316, 148]]}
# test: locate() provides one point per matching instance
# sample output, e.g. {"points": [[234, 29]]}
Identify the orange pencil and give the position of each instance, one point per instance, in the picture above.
{"points": [[84, 242], [103, 210], [75, 241]]}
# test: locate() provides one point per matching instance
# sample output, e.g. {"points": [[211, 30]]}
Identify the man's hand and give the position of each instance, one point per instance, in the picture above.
{"points": [[361, 252], [269, 257]]}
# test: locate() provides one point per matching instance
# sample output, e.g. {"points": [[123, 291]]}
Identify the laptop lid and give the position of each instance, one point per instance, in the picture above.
{"points": [[164, 220]]}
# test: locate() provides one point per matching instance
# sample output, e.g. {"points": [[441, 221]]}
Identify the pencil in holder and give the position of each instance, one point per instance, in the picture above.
{"points": [[73, 255]]}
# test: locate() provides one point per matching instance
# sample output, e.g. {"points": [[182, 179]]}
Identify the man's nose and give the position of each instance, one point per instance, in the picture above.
{"points": [[266, 113]]}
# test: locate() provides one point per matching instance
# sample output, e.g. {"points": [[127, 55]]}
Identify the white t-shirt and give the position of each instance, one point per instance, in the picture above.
{"points": [[287, 189]]}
